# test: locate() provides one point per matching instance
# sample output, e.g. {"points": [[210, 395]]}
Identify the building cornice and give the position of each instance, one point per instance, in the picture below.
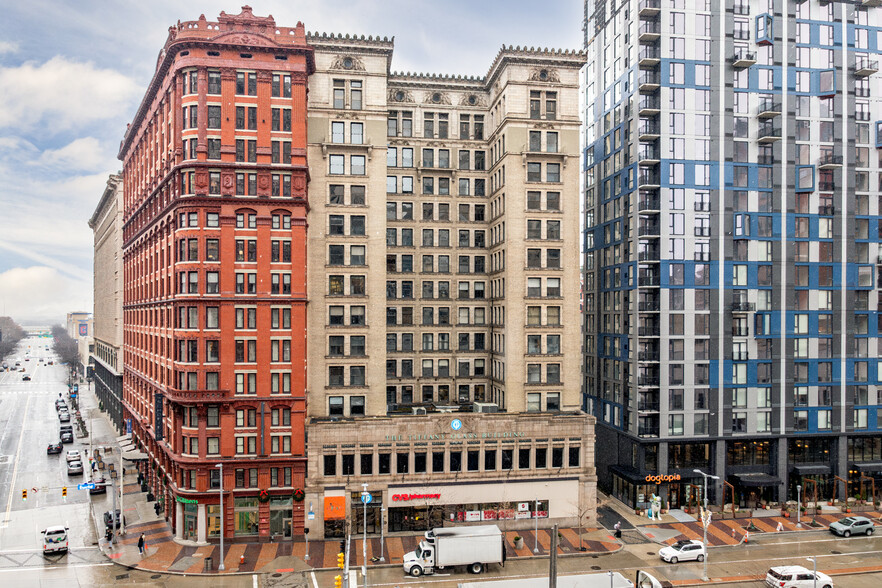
{"points": [[114, 184]]}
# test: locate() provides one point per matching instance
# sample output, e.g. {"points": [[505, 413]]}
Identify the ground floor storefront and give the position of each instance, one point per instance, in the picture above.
{"points": [[407, 474]]}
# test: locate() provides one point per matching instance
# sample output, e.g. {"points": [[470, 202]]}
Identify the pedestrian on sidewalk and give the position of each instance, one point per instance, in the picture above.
{"points": [[618, 528], [780, 527], [142, 541]]}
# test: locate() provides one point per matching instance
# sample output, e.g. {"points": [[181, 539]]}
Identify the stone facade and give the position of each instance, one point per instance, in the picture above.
{"points": [[106, 357]]}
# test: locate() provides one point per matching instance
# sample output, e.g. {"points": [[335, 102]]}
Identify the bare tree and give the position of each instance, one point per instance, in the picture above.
{"points": [[10, 335], [65, 346]]}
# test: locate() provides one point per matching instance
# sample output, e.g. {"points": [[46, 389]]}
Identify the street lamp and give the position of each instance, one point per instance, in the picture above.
{"points": [[536, 531], [382, 528], [704, 518], [814, 560], [364, 501], [220, 567], [798, 504]]}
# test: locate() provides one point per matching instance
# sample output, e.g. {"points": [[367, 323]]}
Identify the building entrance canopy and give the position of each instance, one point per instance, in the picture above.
{"points": [[757, 479]]}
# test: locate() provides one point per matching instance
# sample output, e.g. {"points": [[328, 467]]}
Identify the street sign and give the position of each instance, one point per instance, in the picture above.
{"points": [[310, 516], [366, 498], [86, 486]]}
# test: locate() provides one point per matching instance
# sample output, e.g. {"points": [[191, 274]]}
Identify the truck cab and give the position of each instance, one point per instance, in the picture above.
{"points": [[421, 560]]}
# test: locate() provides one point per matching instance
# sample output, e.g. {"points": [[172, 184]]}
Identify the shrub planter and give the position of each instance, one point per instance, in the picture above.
{"points": [[519, 542]]}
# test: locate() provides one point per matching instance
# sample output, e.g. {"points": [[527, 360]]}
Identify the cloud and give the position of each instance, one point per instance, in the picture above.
{"points": [[84, 154], [62, 94], [8, 47], [40, 294]]}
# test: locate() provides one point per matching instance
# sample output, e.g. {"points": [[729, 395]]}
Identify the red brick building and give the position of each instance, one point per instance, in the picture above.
{"points": [[215, 176]]}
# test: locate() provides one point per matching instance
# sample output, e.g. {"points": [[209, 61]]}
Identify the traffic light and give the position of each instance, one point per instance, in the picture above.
{"points": [[64, 491], [338, 581], [24, 494], [343, 546], [341, 561]]}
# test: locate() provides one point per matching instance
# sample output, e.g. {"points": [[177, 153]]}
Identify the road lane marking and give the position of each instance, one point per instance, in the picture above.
{"points": [[314, 581], [254, 580], [66, 567], [24, 421]]}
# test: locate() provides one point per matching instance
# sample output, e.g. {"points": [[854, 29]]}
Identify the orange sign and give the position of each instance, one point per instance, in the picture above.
{"points": [[335, 507]]}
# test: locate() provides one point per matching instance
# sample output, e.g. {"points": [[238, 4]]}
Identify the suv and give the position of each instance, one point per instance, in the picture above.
{"points": [[853, 526], [683, 551], [108, 519], [796, 577]]}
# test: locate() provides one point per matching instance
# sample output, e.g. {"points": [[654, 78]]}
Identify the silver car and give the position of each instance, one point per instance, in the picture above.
{"points": [[75, 468], [853, 526]]}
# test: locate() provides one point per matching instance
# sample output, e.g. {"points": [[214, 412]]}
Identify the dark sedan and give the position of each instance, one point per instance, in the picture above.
{"points": [[100, 486], [54, 448]]}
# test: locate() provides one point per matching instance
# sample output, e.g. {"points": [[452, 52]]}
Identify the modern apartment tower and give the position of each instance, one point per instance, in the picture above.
{"points": [[214, 257], [732, 258], [443, 351]]}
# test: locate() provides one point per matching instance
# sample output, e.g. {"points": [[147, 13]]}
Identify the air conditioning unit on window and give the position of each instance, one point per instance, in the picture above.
{"points": [[418, 409], [485, 407], [446, 408]]}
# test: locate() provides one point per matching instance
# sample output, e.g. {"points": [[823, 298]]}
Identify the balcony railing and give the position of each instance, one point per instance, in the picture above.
{"points": [[769, 133], [743, 59], [649, 102], [648, 356], [648, 127], [769, 109], [647, 151], [648, 229], [648, 331], [743, 307], [648, 78], [647, 179], [649, 6], [865, 67], [830, 160], [648, 204], [649, 29], [648, 381], [648, 406], [652, 306], [648, 255], [649, 53], [648, 281]]}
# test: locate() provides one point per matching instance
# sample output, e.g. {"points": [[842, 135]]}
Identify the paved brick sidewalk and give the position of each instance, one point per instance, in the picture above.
{"points": [[731, 531]]}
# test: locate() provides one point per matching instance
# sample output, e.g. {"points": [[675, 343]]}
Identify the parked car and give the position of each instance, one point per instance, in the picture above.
{"points": [[64, 417], [74, 468], [685, 550], [796, 577], [108, 519], [26, 378], [54, 448], [100, 486], [74, 455], [67, 437], [853, 526], [60, 405]]}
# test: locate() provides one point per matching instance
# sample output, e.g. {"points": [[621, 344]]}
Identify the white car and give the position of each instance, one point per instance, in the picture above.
{"points": [[685, 550], [796, 577], [73, 455], [55, 539]]}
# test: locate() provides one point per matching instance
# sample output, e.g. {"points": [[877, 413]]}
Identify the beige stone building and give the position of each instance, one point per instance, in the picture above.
{"points": [[441, 209], [106, 356]]}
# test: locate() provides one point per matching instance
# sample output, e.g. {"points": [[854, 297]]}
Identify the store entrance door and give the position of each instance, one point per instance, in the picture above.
{"points": [[674, 497]]}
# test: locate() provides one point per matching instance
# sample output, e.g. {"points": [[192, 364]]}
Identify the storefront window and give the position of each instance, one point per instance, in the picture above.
{"points": [[190, 521], [280, 515], [246, 516], [214, 525], [428, 516], [748, 453]]}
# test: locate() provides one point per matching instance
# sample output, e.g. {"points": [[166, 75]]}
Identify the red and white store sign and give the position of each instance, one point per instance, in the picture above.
{"points": [[409, 497]]}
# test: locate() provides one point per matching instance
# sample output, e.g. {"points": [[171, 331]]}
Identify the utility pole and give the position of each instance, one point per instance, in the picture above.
{"points": [[346, 568], [552, 560]]}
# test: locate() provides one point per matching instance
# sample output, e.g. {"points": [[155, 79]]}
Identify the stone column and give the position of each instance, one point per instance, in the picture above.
{"points": [[179, 520], [201, 524]]}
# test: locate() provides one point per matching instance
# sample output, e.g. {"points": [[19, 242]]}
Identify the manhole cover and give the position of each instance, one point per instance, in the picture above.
{"points": [[650, 553], [836, 552], [155, 577], [595, 567], [277, 575]]}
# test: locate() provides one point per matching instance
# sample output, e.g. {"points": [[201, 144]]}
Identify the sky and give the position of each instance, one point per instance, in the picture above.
{"points": [[73, 73]]}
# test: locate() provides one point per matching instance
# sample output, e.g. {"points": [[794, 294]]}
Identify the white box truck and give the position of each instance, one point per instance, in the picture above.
{"points": [[473, 547]]}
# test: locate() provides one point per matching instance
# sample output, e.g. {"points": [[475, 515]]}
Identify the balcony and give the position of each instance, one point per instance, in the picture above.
{"points": [[743, 59], [650, 254], [865, 67], [648, 203], [648, 381], [648, 281], [648, 154], [768, 134], [743, 307], [648, 179], [648, 56], [649, 105], [648, 81], [649, 7], [197, 396], [649, 306], [648, 356], [768, 109], [649, 229], [830, 161], [651, 331], [650, 30], [871, 3], [648, 130]]}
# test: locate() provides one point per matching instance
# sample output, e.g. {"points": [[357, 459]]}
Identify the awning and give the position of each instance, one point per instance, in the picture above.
{"points": [[125, 448], [134, 456], [869, 466], [124, 439], [756, 479], [811, 470], [628, 474]]}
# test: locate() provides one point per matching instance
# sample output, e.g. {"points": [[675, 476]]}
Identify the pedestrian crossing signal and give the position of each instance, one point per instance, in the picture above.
{"points": [[338, 581], [341, 561], [24, 494], [64, 492]]}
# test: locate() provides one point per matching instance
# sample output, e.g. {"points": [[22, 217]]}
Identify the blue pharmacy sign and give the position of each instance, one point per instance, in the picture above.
{"points": [[456, 424]]}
